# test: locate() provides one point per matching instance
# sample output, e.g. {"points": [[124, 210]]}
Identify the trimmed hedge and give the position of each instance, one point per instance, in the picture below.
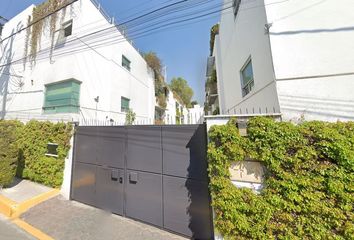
{"points": [[33, 140], [8, 150], [309, 185]]}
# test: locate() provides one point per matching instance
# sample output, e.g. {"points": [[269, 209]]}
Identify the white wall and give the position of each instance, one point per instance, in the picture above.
{"points": [[239, 39], [94, 60], [195, 114], [313, 50]]}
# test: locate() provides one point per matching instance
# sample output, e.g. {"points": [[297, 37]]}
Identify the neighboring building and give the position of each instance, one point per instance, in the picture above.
{"points": [[175, 112], [195, 114], [87, 76], [289, 57], [211, 103]]}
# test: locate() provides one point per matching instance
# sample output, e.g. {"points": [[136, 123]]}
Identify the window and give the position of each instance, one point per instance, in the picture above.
{"points": [[124, 104], [65, 31], [247, 81], [62, 97], [236, 6], [125, 62], [68, 28]]}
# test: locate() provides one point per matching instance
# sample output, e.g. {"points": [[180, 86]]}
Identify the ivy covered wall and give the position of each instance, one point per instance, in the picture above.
{"points": [[309, 184], [29, 148]]}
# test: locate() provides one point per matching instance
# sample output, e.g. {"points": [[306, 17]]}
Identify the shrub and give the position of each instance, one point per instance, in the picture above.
{"points": [[309, 191], [9, 150], [34, 164]]}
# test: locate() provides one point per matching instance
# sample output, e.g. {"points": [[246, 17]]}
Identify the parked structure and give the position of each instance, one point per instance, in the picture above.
{"points": [[289, 57], [84, 75]]}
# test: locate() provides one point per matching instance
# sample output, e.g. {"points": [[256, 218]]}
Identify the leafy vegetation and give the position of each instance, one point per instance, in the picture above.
{"points": [[309, 191], [213, 31], [23, 151], [9, 150], [38, 19], [130, 117], [161, 88], [33, 163], [182, 89]]}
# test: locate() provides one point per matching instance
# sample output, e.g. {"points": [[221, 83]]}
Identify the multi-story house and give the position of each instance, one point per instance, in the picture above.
{"points": [[74, 65], [290, 57]]}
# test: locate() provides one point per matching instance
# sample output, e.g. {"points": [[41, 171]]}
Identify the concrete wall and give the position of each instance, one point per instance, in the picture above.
{"points": [[94, 60], [239, 39], [313, 50]]}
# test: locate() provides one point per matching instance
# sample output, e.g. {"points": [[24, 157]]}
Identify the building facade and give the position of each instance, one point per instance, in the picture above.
{"points": [[84, 70], [288, 57]]}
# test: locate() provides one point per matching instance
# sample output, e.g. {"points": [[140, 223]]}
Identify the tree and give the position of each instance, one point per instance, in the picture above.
{"points": [[193, 103], [154, 62], [180, 87]]}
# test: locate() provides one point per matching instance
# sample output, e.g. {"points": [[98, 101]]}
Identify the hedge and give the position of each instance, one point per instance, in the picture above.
{"points": [[23, 151], [8, 151], [309, 183], [34, 164]]}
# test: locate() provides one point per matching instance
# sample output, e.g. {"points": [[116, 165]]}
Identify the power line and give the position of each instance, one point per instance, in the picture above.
{"points": [[42, 18], [138, 34]]}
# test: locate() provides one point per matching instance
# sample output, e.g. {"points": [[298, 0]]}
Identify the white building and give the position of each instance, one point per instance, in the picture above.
{"points": [[175, 112], [290, 57], [93, 72]]}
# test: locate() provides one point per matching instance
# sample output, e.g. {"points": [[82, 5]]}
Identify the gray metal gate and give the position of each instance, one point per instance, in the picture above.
{"points": [[155, 174]]}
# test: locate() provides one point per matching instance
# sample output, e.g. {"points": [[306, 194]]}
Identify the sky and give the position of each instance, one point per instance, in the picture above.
{"points": [[183, 49]]}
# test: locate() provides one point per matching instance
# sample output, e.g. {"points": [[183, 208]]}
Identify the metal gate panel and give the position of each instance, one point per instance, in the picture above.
{"points": [[111, 145], [156, 174], [144, 197], [83, 183], [184, 151], [85, 151], [187, 207], [144, 149], [110, 189]]}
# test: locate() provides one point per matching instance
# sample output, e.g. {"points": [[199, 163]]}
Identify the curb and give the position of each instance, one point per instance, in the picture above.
{"points": [[13, 210], [7, 206]]}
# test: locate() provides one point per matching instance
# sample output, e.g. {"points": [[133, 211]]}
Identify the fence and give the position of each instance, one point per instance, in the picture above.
{"points": [[190, 118]]}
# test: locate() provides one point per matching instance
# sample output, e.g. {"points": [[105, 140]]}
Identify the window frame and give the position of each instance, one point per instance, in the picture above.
{"points": [[126, 60], [122, 108], [247, 87], [67, 25], [74, 102]]}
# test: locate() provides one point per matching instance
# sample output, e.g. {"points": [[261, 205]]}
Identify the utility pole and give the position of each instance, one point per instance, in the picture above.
{"points": [[2, 115]]}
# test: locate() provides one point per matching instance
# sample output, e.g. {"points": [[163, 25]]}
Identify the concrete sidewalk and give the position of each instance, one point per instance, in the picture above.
{"points": [[68, 220], [21, 190], [9, 231]]}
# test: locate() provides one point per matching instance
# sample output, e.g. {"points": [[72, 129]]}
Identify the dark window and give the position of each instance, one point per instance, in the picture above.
{"points": [[236, 6], [247, 80], [125, 62], [68, 28], [124, 104], [62, 97]]}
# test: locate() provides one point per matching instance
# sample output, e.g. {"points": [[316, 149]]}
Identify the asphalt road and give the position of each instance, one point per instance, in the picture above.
{"points": [[9, 231]]}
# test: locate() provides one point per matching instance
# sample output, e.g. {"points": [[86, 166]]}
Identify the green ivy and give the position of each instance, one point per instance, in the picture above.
{"points": [[33, 163], [9, 150], [309, 184]]}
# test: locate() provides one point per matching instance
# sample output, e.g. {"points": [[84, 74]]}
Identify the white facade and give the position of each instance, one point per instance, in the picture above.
{"points": [[195, 114], [173, 106], [302, 55], [94, 59]]}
